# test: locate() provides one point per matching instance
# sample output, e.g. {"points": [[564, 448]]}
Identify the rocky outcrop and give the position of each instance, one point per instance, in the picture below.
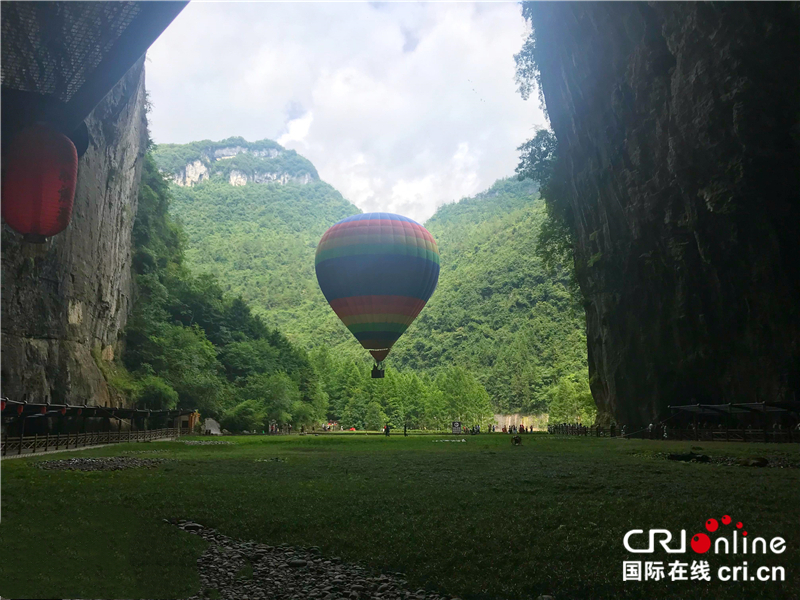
{"points": [[237, 178], [65, 302], [241, 178], [678, 134], [230, 152], [192, 173]]}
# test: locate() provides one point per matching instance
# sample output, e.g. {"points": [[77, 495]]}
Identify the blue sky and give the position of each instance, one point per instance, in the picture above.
{"points": [[401, 106]]}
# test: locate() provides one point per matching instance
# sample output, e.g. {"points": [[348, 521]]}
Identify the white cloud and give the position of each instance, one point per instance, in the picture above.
{"points": [[402, 107], [297, 129]]}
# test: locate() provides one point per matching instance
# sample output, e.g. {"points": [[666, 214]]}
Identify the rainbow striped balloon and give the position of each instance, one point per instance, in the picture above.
{"points": [[377, 271]]}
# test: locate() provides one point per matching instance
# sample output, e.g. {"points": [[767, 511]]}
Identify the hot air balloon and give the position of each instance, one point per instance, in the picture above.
{"points": [[377, 271]]}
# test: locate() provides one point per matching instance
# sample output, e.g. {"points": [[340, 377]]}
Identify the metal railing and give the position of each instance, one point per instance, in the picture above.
{"points": [[700, 434], [32, 444]]}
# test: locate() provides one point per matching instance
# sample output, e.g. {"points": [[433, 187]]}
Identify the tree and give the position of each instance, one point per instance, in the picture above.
{"points": [[355, 410], [538, 157], [277, 395], [465, 399], [249, 357], [375, 418], [247, 416], [156, 394], [572, 402]]}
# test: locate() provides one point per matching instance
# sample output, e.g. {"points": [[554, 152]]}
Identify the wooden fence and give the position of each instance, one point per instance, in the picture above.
{"points": [[31, 444], [688, 434]]}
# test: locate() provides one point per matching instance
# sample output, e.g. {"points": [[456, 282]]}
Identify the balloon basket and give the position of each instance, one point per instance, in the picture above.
{"points": [[377, 373]]}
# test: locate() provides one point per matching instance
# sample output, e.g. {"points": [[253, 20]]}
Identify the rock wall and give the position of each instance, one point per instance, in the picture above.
{"points": [[241, 178], [198, 170], [679, 136], [192, 173], [65, 303]]}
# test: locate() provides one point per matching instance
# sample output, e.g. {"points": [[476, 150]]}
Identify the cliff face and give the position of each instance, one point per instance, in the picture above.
{"points": [[678, 129], [236, 160], [65, 304]]}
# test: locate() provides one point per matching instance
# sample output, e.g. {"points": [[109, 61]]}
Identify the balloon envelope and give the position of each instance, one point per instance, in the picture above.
{"points": [[377, 271]]}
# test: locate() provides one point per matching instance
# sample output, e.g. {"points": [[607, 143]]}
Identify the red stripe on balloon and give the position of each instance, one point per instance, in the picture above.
{"points": [[376, 344]]}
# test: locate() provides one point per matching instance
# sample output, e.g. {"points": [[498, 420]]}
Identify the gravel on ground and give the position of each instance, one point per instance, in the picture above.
{"points": [[234, 569], [106, 463], [207, 443]]}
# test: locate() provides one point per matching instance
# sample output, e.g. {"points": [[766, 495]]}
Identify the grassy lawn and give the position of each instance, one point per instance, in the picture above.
{"points": [[480, 519]]}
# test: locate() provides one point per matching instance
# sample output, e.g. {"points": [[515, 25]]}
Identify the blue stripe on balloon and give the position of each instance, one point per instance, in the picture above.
{"points": [[377, 275]]}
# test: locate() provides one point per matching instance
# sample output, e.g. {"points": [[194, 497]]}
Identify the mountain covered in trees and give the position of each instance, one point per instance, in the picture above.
{"points": [[234, 159], [500, 324], [192, 344], [259, 241]]}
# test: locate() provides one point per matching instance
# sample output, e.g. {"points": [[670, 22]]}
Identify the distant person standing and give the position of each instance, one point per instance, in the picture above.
{"points": [[405, 430], [386, 429]]}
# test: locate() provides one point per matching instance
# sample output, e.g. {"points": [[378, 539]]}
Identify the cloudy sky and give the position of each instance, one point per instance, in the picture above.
{"points": [[401, 107]]}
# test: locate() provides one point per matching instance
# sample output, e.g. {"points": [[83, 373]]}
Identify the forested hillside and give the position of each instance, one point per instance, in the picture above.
{"points": [[497, 311], [189, 344], [259, 241], [498, 315]]}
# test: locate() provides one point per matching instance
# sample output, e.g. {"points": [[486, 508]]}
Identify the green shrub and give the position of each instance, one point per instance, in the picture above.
{"points": [[155, 393]]}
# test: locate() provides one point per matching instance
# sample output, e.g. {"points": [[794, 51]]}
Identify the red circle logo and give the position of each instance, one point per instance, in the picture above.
{"points": [[739, 525], [712, 525], [726, 520], [701, 543]]}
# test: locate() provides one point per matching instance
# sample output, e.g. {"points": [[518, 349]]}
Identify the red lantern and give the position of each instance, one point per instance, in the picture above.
{"points": [[19, 409], [2, 405], [64, 411], [40, 170], [80, 412], [43, 410]]}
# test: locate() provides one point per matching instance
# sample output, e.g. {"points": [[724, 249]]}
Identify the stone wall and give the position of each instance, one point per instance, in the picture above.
{"points": [[679, 132], [65, 303]]}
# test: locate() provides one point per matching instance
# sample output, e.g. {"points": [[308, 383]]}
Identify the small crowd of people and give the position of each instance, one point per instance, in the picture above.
{"points": [[581, 429], [516, 429]]}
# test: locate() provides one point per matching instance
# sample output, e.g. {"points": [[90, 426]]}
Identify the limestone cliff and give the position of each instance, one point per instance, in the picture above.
{"points": [[235, 160], [65, 303], [678, 129]]}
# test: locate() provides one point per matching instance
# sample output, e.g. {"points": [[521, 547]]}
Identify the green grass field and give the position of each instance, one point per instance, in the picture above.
{"points": [[480, 519]]}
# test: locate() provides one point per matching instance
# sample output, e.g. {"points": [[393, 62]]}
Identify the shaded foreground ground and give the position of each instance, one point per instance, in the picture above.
{"points": [[479, 519]]}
